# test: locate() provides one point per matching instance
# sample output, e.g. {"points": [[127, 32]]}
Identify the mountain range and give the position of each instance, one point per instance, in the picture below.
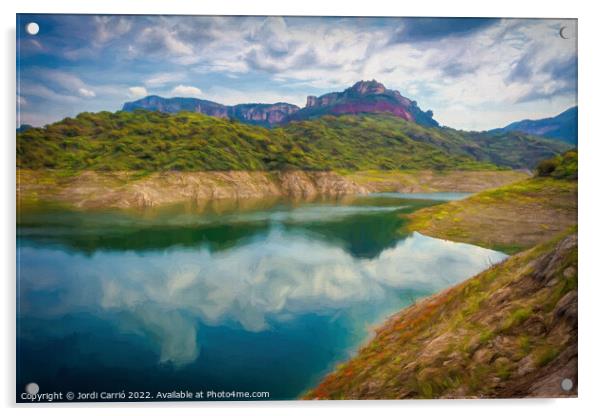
{"points": [[561, 127], [364, 97], [366, 126]]}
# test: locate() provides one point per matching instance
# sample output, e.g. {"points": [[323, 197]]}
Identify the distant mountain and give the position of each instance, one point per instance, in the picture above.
{"points": [[364, 97], [257, 114], [24, 127], [561, 127]]}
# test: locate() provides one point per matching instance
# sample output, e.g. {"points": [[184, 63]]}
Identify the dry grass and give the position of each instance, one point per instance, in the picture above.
{"points": [[510, 218], [433, 181]]}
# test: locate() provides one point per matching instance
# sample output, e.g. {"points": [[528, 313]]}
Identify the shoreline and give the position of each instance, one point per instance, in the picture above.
{"points": [[510, 218], [528, 212], [510, 330], [95, 189]]}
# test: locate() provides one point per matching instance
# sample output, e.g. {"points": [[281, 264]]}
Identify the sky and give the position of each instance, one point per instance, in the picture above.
{"points": [[475, 74]]}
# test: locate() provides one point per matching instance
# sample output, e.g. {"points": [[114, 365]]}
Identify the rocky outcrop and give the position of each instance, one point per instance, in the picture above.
{"points": [[260, 114], [263, 114], [425, 181], [304, 184], [510, 331], [362, 97], [312, 101], [365, 97]]}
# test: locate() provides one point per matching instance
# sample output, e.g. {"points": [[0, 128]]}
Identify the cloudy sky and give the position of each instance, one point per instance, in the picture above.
{"points": [[473, 73]]}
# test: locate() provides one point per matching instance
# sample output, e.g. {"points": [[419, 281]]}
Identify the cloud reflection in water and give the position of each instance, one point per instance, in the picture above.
{"points": [[271, 277]]}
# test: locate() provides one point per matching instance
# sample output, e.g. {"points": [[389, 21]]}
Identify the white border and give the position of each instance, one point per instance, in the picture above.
{"points": [[590, 142]]}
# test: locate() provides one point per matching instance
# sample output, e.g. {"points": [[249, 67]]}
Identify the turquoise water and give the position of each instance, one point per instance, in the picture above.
{"points": [[437, 196], [252, 296]]}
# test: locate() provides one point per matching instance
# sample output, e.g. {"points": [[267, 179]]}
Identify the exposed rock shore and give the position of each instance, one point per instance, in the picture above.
{"points": [[92, 189], [126, 190]]}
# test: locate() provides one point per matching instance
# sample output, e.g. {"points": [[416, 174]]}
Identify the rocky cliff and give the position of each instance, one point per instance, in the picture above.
{"points": [[363, 97], [259, 114]]}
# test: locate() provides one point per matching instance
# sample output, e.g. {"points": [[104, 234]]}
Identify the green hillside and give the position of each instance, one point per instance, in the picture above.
{"points": [[153, 141]]}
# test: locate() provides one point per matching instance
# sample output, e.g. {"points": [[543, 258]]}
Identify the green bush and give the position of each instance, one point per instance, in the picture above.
{"points": [[547, 167], [560, 167]]}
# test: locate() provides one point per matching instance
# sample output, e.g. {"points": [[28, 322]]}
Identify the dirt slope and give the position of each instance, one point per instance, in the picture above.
{"points": [[510, 218], [95, 189], [433, 181]]}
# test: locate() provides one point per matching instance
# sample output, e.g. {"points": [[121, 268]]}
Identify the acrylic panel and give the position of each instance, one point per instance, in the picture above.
{"points": [[291, 208]]}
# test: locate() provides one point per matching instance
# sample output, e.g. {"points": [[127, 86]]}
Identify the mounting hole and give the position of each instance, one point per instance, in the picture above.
{"points": [[32, 388], [32, 28], [567, 384]]}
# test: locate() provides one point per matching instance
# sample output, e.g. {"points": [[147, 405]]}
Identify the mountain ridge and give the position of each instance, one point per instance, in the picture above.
{"points": [[364, 97], [250, 113], [561, 127]]}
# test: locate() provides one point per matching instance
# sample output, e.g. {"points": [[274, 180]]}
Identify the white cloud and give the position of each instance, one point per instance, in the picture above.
{"points": [[84, 92], [157, 39], [186, 91], [109, 28], [137, 92], [36, 43], [231, 96], [62, 79], [42, 91], [56, 85], [160, 79]]}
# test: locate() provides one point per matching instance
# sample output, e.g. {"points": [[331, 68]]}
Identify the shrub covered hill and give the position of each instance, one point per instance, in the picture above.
{"points": [[155, 141]]}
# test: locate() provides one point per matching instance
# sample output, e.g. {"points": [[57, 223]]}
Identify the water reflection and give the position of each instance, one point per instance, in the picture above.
{"points": [[241, 299], [364, 226], [270, 278]]}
